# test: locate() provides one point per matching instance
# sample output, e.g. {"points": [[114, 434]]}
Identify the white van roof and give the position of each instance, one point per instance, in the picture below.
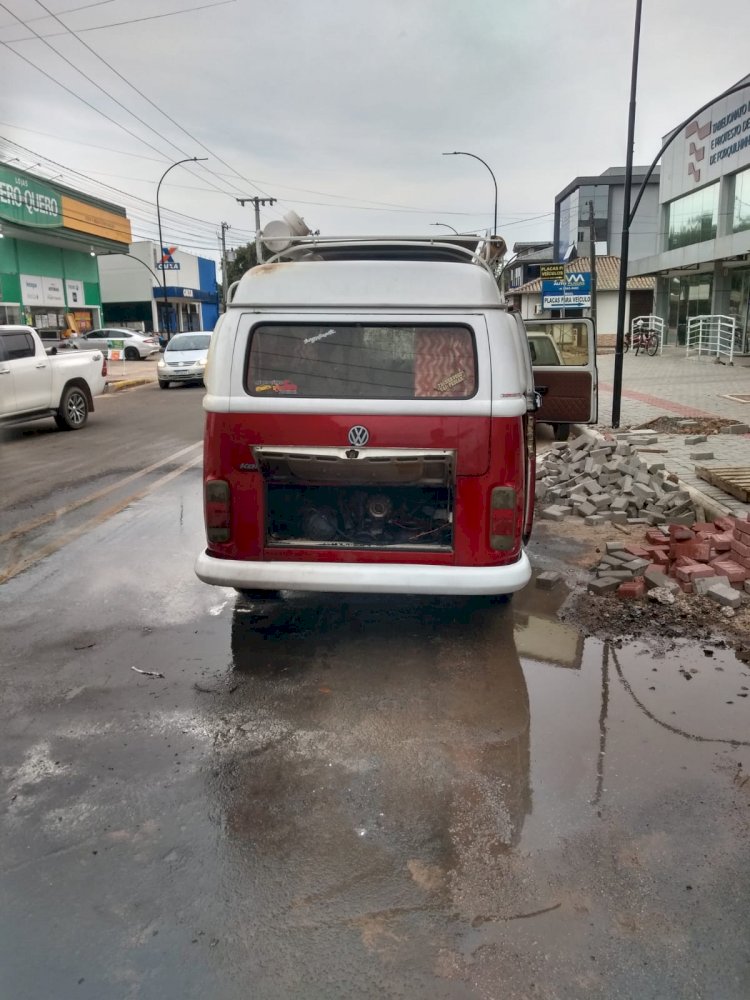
{"points": [[373, 284]]}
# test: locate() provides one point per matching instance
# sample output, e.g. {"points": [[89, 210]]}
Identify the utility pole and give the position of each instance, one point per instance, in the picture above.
{"points": [[592, 260], [224, 281], [257, 202]]}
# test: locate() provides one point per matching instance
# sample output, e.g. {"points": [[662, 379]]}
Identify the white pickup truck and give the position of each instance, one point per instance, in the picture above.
{"points": [[35, 384]]}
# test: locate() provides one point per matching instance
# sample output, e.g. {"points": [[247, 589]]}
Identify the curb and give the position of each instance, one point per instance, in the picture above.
{"points": [[128, 383], [712, 508]]}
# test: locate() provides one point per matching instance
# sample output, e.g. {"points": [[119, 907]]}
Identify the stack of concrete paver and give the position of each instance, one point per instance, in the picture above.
{"points": [[606, 480], [711, 559]]}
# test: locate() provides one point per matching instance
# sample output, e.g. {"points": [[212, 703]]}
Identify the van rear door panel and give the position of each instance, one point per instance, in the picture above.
{"points": [[563, 356]]}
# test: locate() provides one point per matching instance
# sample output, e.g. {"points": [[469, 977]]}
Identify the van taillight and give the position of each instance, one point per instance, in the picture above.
{"points": [[218, 510], [503, 518]]}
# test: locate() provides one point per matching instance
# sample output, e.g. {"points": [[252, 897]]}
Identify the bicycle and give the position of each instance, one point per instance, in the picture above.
{"points": [[642, 340]]}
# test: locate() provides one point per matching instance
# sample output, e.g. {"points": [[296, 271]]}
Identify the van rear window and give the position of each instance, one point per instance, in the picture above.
{"points": [[358, 361]]}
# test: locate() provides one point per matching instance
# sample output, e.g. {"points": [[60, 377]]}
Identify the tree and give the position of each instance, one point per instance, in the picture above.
{"points": [[244, 258]]}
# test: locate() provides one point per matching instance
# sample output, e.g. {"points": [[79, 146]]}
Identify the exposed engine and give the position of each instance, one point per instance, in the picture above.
{"points": [[403, 516]]}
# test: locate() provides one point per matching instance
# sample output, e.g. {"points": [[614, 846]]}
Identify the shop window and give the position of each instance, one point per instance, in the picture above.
{"points": [[693, 218], [741, 215]]}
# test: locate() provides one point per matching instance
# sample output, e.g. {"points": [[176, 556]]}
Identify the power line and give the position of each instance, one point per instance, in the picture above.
{"points": [[112, 24]]}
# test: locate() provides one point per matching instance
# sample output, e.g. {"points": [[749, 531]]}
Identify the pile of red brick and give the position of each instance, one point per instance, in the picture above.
{"points": [[709, 550]]}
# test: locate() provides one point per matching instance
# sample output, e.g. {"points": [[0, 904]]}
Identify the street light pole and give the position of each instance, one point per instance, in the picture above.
{"points": [[154, 275], [188, 159], [446, 226], [625, 238], [474, 156]]}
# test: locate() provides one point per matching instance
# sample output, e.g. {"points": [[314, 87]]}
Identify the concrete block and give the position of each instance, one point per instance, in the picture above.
{"points": [[702, 585], [547, 580], [643, 492], [656, 467], [669, 487], [623, 448], [605, 585], [601, 501], [594, 519], [735, 429], [613, 548], [637, 520], [637, 565], [701, 456], [585, 509], [553, 513], [726, 596], [589, 485], [618, 517], [619, 503], [642, 477], [655, 578], [695, 439], [627, 484]]}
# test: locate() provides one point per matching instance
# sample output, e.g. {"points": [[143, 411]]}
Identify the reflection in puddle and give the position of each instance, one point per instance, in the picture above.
{"points": [[378, 760]]}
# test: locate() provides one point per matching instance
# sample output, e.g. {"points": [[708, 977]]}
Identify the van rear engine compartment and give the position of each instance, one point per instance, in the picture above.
{"points": [[358, 498]]}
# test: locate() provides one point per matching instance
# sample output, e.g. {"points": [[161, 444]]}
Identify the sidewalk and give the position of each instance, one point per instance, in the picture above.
{"points": [[672, 385], [120, 373]]}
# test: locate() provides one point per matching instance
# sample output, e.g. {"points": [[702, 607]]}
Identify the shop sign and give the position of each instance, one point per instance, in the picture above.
{"points": [[52, 292], [31, 290], [74, 293], [552, 272], [573, 292], [95, 221], [187, 293], [28, 201], [167, 262]]}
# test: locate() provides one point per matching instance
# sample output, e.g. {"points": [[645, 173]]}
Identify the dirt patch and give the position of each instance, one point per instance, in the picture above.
{"points": [[678, 425], [580, 547]]}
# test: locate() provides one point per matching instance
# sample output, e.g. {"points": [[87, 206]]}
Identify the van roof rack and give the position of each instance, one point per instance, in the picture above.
{"points": [[464, 249]]}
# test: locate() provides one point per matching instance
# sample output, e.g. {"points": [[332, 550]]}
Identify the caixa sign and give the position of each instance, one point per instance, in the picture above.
{"points": [[26, 201], [167, 261]]}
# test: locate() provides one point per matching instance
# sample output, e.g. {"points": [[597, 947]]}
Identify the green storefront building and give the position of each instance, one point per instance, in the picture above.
{"points": [[49, 240]]}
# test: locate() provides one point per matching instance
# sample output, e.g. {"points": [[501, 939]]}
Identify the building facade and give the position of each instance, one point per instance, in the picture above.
{"points": [[606, 192], [50, 237], [702, 262], [531, 302], [133, 289]]}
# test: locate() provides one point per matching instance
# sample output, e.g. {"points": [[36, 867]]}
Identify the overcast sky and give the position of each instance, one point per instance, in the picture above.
{"points": [[334, 106]]}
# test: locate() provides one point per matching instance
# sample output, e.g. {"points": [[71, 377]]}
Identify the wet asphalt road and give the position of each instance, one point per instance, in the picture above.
{"points": [[342, 797]]}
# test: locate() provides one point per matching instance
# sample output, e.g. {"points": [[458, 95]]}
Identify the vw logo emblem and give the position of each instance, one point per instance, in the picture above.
{"points": [[359, 436]]}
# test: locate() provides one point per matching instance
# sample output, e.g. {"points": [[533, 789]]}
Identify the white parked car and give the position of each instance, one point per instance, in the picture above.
{"points": [[135, 345], [184, 358], [35, 384]]}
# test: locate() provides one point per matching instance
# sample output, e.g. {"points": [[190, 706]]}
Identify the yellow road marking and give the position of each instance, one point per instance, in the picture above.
{"points": [[74, 533], [55, 515]]}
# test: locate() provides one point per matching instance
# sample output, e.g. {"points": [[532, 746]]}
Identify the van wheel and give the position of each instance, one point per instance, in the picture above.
{"points": [[561, 431], [131, 354], [164, 385], [74, 409]]}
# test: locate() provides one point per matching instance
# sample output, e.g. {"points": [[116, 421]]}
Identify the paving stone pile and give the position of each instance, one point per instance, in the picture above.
{"points": [[606, 480], [711, 558]]}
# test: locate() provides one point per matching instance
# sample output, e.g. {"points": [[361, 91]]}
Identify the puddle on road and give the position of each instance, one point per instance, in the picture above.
{"points": [[450, 779]]}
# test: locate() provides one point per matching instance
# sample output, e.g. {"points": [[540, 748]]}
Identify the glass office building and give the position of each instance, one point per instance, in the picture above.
{"points": [[702, 261]]}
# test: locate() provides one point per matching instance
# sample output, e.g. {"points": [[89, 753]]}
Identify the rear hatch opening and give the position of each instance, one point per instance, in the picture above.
{"points": [[358, 498]]}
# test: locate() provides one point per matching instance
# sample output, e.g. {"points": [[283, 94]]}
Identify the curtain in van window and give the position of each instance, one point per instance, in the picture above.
{"points": [[444, 363]]}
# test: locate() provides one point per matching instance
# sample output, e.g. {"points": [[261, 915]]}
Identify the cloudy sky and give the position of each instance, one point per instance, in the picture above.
{"points": [[341, 108]]}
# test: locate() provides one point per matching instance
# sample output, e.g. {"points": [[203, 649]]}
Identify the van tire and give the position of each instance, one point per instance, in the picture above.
{"points": [[164, 385], [561, 431], [131, 354]]}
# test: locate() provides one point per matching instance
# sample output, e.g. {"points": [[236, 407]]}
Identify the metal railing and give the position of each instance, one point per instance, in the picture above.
{"points": [[649, 324], [712, 336]]}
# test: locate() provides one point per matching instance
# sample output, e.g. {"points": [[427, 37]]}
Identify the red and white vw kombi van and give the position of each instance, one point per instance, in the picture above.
{"points": [[370, 425]]}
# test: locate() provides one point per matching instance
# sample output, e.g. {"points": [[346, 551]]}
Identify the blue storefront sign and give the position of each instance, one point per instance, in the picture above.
{"points": [[572, 293]]}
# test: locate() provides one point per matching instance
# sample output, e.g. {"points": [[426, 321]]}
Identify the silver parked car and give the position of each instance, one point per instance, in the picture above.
{"points": [[135, 345], [184, 358]]}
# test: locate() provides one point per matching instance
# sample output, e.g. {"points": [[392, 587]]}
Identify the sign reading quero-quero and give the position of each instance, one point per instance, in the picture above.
{"points": [[28, 201]]}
